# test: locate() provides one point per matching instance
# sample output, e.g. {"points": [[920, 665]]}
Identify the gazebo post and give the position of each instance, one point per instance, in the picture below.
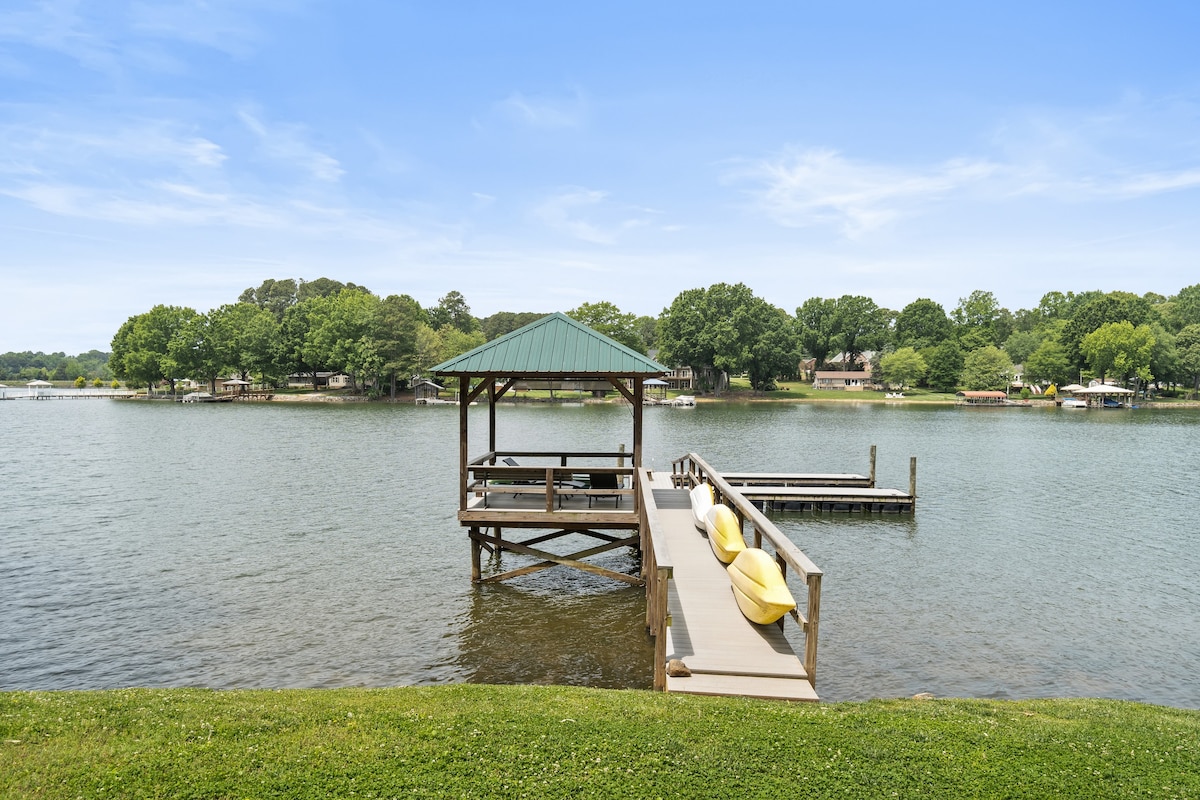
{"points": [[492, 417], [464, 385]]}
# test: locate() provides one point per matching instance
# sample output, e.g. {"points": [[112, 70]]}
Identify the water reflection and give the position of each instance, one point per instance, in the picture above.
{"points": [[517, 633]]}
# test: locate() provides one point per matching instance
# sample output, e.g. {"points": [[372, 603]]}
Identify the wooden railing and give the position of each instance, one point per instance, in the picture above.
{"points": [[485, 476], [657, 571], [691, 470]]}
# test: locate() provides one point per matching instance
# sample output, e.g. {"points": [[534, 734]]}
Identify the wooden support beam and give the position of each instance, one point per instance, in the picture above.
{"points": [[551, 559]]}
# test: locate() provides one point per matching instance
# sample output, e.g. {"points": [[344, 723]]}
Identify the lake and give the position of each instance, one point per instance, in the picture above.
{"points": [[1053, 553]]}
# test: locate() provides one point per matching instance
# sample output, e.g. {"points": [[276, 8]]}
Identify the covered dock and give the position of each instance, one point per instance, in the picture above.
{"points": [[531, 502]]}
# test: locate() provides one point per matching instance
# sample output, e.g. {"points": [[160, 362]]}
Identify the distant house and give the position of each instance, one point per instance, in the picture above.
{"points": [[847, 361], [339, 380], [677, 378], [304, 380], [847, 381]]}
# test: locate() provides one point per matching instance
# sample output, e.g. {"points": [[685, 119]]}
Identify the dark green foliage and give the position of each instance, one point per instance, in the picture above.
{"points": [[945, 366], [922, 323], [503, 322]]}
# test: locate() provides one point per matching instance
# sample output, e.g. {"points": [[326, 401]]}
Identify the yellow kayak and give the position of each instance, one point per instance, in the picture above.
{"points": [[759, 587], [702, 501], [724, 533]]}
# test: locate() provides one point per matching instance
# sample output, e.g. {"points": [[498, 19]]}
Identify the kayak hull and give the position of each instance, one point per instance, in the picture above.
{"points": [[759, 587], [724, 533]]}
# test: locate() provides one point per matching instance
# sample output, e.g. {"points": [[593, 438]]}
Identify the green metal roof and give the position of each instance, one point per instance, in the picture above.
{"points": [[553, 346]]}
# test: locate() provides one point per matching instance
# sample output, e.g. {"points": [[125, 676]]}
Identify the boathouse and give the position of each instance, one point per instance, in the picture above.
{"points": [[981, 398], [590, 493]]}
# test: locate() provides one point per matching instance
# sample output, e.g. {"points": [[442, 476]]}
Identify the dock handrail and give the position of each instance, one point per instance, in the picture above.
{"points": [[690, 470], [657, 571], [486, 476]]}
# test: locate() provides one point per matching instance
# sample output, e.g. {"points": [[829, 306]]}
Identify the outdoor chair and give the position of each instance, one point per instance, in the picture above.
{"points": [[605, 480]]}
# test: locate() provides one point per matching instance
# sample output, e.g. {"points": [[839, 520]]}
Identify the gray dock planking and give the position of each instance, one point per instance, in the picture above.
{"points": [[796, 479], [726, 653], [831, 498]]}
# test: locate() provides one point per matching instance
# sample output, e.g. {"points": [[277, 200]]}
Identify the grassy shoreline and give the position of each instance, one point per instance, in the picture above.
{"points": [[542, 741]]}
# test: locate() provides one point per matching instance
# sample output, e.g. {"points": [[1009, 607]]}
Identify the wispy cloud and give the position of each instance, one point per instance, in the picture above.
{"points": [[288, 143], [60, 27], [544, 111], [589, 215], [821, 187]]}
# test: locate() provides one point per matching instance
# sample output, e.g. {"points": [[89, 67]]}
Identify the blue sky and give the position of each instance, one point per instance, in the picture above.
{"points": [[534, 156]]}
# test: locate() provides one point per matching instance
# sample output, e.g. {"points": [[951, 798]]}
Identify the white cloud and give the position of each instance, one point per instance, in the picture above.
{"points": [[561, 212], [546, 112], [286, 142], [589, 215], [820, 187]]}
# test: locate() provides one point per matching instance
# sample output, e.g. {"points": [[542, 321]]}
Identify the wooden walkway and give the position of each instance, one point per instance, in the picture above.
{"points": [[831, 498], [725, 652], [797, 479]]}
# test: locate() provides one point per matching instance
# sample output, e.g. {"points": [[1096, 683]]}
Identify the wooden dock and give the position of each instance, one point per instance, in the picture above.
{"points": [[834, 492], [831, 498], [797, 479], [726, 653], [690, 609]]}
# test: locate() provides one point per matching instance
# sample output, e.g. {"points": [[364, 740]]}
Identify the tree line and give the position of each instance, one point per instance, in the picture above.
{"points": [[1148, 339], [29, 366], [295, 327], [287, 327]]}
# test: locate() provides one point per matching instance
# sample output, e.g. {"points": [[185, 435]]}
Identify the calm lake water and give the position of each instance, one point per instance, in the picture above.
{"points": [[1053, 553]]}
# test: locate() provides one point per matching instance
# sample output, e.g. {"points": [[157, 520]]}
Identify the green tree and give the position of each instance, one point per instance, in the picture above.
{"points": [[140, 348], [815, 323], [775, 349], [344, 338], [1049, 362], [981, 313], [1187, 348], [922, 323], [945, 366], [903, 368], [1021, 344], [647, 328], [400, 316], [80, 382], [1119, 348], [1185, 307], [97, 383], [452, 310], [454, 342], [324, 287], [858, 325], [275, 296], [1098, 311], [195, 351], [503, 322], [604, 317], [987, 368], [298, 348], [710, 330], [247, 340]]}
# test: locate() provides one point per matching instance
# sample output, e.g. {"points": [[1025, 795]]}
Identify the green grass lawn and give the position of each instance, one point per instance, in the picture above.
{"points": [[528, 741]]}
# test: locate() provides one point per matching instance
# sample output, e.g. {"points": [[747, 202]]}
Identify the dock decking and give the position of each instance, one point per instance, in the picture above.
{"points": [[726, 653], [831, 498]]}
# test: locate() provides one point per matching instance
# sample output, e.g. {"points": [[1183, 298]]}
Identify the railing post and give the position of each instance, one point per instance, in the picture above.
{"points": [[810, 635], [872, 466]]}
